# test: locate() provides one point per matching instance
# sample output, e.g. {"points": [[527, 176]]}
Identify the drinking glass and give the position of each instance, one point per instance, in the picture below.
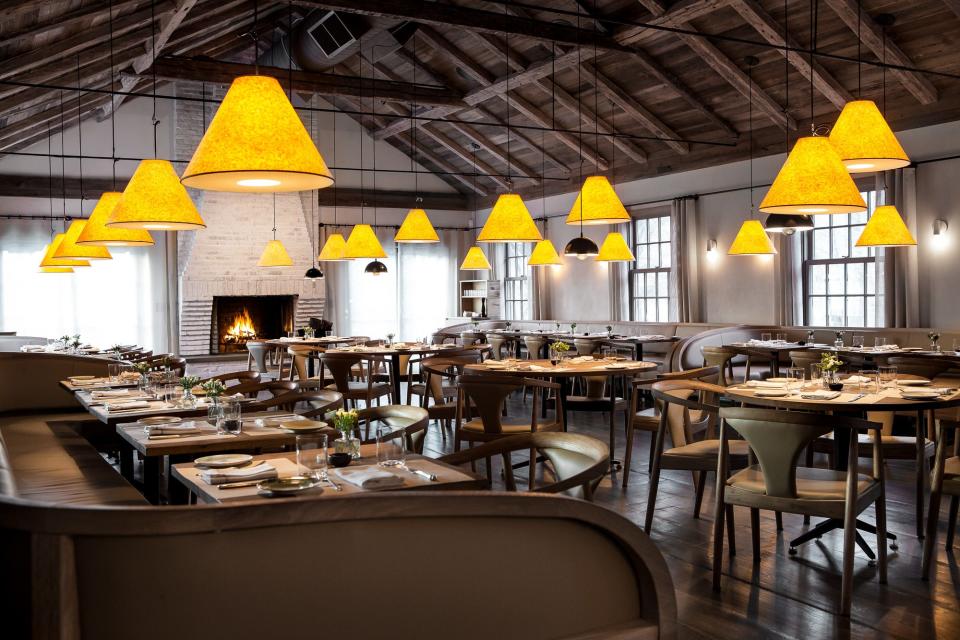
{"points": [[390, 446], [765, 337], [113, 370], [231, 416], [956, 345], [312, 455], [888, 376], [291, 334], [879, 342], [781, 337], [795, 377], [168, 393], [857, 342], [869, 380], [816, 375]]}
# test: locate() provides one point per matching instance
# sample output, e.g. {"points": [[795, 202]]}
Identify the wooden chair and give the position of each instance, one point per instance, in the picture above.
{"points": [[411, 422], [649, 419], [300, 363], [273, 387], [239, 377], [497, 342], [722, 359], [777, 483], [944, 481], [598, 395], [307, 403], [577, 462], [419, 388], [805, 359], [486, 394], [534, 346], [340, 366], [257, 352], [683, 403], [440, 399]]}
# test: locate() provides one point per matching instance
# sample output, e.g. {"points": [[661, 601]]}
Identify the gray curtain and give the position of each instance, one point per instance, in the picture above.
{"points": [[619, 289], [787, 268], [335, 280], [172, 268], [540, 302], [685, 257], [897, 268]]}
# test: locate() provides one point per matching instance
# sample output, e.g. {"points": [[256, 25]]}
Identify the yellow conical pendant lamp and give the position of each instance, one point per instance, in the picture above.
{"points": [[70, 249], [334, 249], [886, 229], [416, 228], [50, 261], [864, 140], [363, 243], [614, 249], [155, 199], [597, 203], [256, 142], [475, 260], [96, 232], [813, 180], [56, 269], [509, 221], [544, 254], [275, 255], [752, 240]]}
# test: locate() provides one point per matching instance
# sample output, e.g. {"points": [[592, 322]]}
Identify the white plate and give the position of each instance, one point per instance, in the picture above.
{"points": [[615, 367], [152, 420], [780, 380], [222, 460], [771, 393], [912, 383], [919, 394], [82, 377]]}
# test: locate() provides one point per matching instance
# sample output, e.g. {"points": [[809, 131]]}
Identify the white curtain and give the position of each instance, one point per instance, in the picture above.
{"points": [[428, 284], [618, 272], [897, 269], [685, 259], [788, 296], [125, 300]]}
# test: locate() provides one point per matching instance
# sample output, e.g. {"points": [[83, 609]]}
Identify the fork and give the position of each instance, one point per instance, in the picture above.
{"points": [[857, 397]]}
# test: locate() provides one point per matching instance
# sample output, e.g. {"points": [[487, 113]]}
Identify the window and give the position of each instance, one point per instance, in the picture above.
{"points": [[839, 283], [651, 273], [516, 296]]}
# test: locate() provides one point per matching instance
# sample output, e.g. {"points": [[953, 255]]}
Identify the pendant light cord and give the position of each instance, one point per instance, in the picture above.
{"points": [[859, 59], [750, 130], [274, 215], [256, 37], [113, 110], [63, 165], [814, 15], [50, 177], [786, 78], [413, 126], [580, 120], [80, 136], [506, 54], [153, 53]]}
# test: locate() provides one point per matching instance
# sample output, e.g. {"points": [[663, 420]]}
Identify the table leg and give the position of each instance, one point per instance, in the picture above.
{"points": [[615, 464], [310, 369], [151, 478], [395, 375], [126, 461], [563, 401]]}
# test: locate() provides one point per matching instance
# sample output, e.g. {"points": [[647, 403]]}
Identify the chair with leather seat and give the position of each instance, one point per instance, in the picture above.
{"points": [[306, 403], [273, 387], [440, 399], [257, 352], [722, 359], [688, 406], [406, 420], [600, 394], [341, 365], [299, 371], [776, 482], [944, 481], [649, 419], [577, 462], [236, 377], [485, 395], [534, 346], [805, 359]]}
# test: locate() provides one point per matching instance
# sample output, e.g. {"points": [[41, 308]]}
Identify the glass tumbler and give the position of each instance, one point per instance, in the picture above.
{"points": [[113, 370], [231, 416], [869, 380], [390, 446], [312, 455], [888, 376]]}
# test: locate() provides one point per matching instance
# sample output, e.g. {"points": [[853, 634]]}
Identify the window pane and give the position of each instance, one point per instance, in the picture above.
{"points": [[871, 312], [651, 310], [835, 279], [871, 278], [653, 234], [642, 257], [855, 251], [821, 221], [855, 280], [818, 311], [858, 218], [818, 279], [665, 228], [835, 311], [641, 227], [662, 289], [821, 242], [651, 291], [661, 309], [653, 256], [855, 311], [839, 220], [665, 254], [841, 245]]}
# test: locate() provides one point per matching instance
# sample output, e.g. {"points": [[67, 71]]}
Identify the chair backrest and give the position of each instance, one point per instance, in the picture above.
{"points": [[703, 374], [678, 398], [440, 368], [924, 367], [779, 437], [719, 357], [487, 393], [319, 402], [273, 387], [805, 359], [410, 422], [534, 345], [340, 365], [299, 356], [617, 584], [239, 377], [258, 355], [496, 343]]}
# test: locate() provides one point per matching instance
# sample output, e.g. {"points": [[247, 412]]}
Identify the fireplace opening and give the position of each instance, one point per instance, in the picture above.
{"points": [[238, 319]]}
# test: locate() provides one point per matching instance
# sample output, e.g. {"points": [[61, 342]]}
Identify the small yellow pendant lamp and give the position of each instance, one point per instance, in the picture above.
{"points": [[544, 254], [864, 140], [275, 255], [363, 243], [334, 249], [155, 199], [614, 249], [70, 249], [475, 260], [50, 261], [509, 221], [752, 240], [96, 232], [416, 228], [886, 228], [597, 203]]}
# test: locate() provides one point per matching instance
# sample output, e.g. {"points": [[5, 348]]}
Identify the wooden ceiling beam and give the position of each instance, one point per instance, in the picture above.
{"points": [[461, 152], [871, 34], [953, 5], [676, 16], [66, 21], [758, 18]]}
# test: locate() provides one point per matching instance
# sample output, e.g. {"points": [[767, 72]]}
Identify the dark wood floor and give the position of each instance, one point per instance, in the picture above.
{"points": [[783, 596]]}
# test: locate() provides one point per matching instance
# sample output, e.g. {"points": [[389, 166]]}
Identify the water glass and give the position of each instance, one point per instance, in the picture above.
{"points": [[390, 446], [857, 342], [113, 370], [312, 455], [795, 378], [869, 380], [766, 337], [888, 376], [781, 337], [879, 342], [816, 375], [231, 416], [956, 345]]}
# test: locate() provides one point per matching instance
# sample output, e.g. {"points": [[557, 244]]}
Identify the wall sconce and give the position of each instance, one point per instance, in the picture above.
{"points": [[711, 250], [940, 227]]}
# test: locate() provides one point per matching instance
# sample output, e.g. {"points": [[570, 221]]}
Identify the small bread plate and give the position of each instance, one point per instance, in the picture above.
{"points": [[81, 378], [287, 486], [919, 382], [615, 367], [919, 394], [302, 426], [223, 460], [771, 393]]}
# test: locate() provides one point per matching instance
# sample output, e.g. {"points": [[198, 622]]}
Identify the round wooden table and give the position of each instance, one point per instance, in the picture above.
{"points": [[565, 372], [852, 400]]}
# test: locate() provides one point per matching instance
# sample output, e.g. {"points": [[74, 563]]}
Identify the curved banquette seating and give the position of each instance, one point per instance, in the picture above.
{"points": [[31, 381], [226, 572]]}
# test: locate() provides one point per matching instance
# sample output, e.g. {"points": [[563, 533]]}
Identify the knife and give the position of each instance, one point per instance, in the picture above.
{"points": [[239, 485]]}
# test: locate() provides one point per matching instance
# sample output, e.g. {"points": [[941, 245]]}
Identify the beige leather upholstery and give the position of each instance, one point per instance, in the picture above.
{"points": [[31, 381], [811, 483]]}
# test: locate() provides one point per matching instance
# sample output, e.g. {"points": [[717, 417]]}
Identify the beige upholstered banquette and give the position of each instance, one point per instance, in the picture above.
{"points": [[31, 381]]}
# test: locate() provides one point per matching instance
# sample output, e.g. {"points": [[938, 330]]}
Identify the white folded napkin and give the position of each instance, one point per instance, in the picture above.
{"points": [[763, 384], [262, 471], [33, 347], [127, 405], [856, 380], [821, 394], [112, 393], [370, 478], [176, 429]]}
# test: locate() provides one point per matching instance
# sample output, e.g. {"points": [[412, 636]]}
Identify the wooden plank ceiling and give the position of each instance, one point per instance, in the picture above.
{"points": [[562, 73]]}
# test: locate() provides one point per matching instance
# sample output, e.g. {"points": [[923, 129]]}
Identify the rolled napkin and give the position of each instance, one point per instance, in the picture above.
{"points": [[370, 478], [821, 394], [262, 471], [763, 384], [128, 405]]}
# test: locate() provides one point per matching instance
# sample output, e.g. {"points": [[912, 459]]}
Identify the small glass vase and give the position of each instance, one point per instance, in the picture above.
{"points": [[831, 380], [347, 444], [935, 345], [215, 412], [188, 401]]}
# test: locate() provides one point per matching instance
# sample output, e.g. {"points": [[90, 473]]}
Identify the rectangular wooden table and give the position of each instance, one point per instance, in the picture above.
{"points": [[448, 478], [252, 437]]}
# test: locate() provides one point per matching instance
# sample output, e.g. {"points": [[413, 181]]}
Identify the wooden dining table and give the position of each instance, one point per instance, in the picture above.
{"points": [[633, 342], [321, 343], [853, 400], [448, 478]]}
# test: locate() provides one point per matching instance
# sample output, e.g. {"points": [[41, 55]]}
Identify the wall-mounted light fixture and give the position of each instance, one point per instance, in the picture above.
{"points": [[711, 250], [940, 227]]}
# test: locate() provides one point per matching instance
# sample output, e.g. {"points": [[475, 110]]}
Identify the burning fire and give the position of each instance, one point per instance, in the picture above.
{"points": [[242, 328]]}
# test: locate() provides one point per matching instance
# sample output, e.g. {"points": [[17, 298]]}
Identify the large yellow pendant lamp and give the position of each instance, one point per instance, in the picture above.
{"points": [[597, 203], [475, 260], [275, 254], [256, 142], [416, 228], [544, 254], [70, 249], [864, 140], [509, 221], [154, 199], [96, 232], [886, 228], [614, 249], [334, 249], [363, 243], [50, 261], [813, 180]]}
